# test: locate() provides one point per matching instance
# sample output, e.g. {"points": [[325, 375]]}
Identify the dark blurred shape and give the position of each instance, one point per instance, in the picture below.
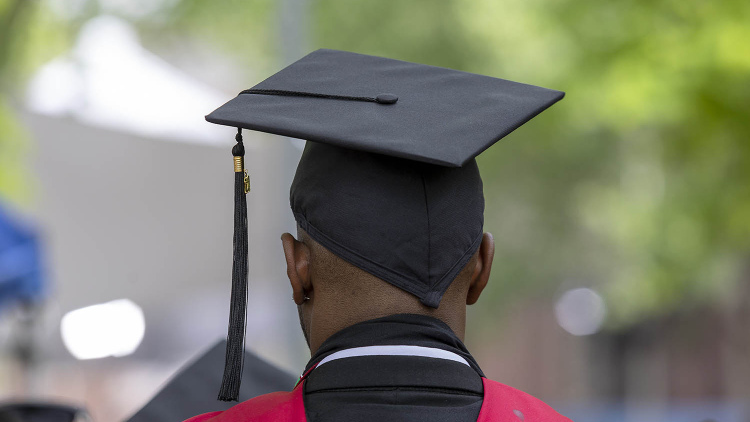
{"points": [[42, 412], [20, 264], [193, 390]]}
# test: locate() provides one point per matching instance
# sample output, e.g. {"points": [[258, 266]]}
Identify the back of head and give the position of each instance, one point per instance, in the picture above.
{"points": [[413, 225], [348, 294]]}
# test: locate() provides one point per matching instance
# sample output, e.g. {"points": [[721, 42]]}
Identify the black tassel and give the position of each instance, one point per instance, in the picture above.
{"points": [[230, 384]]}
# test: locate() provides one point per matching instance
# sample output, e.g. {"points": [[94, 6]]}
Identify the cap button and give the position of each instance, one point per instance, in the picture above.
{"points": [[386, 99]]}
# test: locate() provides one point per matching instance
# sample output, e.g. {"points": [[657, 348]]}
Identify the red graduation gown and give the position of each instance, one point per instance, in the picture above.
{"points": [[501, 404]]}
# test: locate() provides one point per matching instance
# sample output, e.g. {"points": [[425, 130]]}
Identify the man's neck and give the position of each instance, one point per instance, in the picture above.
{"points": [[330, 318]]}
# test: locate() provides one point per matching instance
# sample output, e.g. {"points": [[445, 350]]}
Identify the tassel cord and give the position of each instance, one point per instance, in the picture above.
{"points": [[233, 367]]}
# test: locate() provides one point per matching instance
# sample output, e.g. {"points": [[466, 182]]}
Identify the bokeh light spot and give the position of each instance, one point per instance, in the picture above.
{"points": [[114, 328], [580, 311]]}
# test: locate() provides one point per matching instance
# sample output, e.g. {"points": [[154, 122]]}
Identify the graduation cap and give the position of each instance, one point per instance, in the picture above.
{"points": [[388, 180], [191, 391]]}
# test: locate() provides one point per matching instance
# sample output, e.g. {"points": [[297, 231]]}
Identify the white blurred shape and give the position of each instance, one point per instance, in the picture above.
{"points": [[110, 80], [580, 311], [114, 328], [56, 88]]}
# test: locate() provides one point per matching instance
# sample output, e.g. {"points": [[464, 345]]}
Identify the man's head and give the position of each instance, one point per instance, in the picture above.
{"points": [[381, 235]]}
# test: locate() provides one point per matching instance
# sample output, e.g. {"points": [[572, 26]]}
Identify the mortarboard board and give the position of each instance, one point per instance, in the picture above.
{"points": [[191, 391], [414, 111], [388, 182]]}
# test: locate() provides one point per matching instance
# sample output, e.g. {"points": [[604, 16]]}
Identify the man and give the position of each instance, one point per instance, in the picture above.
{"points": [[390, 246]]}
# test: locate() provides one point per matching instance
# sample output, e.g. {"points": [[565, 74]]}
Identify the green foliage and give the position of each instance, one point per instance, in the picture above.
{"points": [[243, 29], [637, 183], [13, 180], [14, 177]]}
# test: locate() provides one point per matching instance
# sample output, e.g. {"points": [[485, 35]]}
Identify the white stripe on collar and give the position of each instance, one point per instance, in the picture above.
{"points": [[428, 352]]}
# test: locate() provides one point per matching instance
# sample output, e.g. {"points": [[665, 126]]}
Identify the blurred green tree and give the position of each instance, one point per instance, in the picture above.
{"points": [[29, 36], [12, 177]]}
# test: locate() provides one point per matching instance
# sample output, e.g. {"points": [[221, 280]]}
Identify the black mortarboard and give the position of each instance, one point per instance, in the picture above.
{"points": [[389, 182], [439, 116], [191, 391]]}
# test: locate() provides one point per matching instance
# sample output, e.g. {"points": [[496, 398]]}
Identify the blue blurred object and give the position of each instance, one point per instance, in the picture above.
{"points": [[21, 275]]}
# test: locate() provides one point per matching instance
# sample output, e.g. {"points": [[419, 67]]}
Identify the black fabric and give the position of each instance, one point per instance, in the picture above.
{"points": [[442, 116], [192, 391], [40, 412], [414, 225], [394, 388], [349, 373], [400, 329]]}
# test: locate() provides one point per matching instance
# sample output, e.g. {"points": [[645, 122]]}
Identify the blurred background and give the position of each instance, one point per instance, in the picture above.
{"points": [[621, 284]]}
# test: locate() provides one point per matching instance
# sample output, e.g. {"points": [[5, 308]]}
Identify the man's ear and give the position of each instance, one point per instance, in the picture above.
{"points": [[481, 274], [297, 256]]}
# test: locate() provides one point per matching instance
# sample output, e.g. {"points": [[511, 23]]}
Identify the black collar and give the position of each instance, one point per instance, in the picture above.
{"points": [[401, 329]]}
